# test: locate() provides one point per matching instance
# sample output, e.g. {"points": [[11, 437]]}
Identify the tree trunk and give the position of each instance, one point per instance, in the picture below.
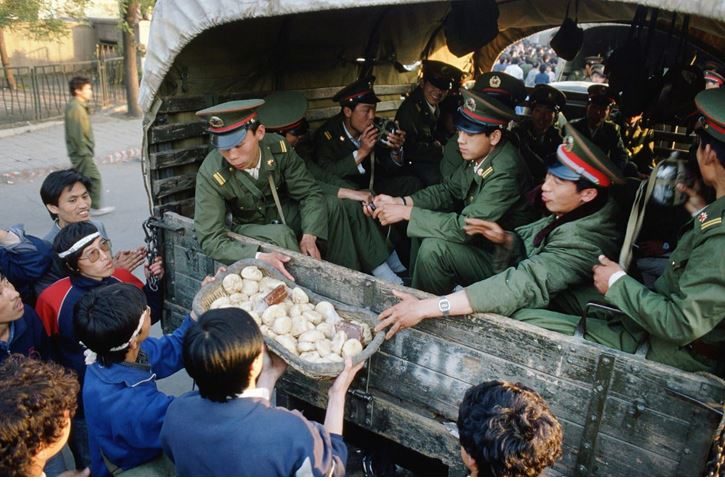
{"points": [[5, 60], [130, 64]]}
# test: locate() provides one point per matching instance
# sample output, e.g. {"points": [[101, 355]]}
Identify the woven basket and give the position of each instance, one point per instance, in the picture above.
{"points": [[214, 290]]}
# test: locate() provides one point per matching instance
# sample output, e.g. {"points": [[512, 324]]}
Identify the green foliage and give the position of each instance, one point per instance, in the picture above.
{"points": [[144, 6], [40, 18]]}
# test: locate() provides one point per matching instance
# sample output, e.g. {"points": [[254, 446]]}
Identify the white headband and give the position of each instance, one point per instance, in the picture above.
{"points": [[91, 355], [79, 245]]}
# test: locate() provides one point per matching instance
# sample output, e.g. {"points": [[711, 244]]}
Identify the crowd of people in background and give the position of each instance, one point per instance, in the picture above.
{"points": [[529, 62]]}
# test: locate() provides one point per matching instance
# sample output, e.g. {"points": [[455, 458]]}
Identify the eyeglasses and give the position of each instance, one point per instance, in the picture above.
{"points": [[94, 254]]}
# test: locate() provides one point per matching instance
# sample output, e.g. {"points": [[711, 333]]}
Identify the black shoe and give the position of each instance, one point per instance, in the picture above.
{"points": [[377, 466]]}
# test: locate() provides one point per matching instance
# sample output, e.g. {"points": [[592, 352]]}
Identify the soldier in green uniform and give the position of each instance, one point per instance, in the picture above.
{"points": [[80, 142], [597, 127], [418, 116], [586, 74], [491, 187], [283, 113], [504, 88], [350, 147], [683, 315], [537, 138], [264, 185], [531, 264]]}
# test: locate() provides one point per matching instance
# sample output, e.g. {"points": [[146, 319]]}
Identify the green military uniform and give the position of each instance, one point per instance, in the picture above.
{"points": [[535, 274], [683, 315], [80, 144], [383, 171], [536, 149], [539, 150], [494, 191], [284, 110], [221, 188], [424, 140]]}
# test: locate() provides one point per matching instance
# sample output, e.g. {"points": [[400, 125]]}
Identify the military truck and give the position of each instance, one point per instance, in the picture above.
{"points": [[622, 414]]}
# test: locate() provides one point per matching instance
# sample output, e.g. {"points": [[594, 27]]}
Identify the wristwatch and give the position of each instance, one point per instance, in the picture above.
{"points": [[444, 305]]}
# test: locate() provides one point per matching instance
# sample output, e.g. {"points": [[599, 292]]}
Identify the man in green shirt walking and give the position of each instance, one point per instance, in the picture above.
{"points": [[79, 139]]}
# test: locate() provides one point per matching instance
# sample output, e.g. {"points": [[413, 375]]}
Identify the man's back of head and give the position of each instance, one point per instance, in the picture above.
{"points": [[507, 429]]}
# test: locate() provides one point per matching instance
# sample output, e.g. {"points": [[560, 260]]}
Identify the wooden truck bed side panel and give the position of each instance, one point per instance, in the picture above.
{"points": [[617, 415]]}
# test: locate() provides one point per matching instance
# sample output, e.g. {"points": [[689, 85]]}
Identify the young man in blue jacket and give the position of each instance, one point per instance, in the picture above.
{"points": [[124, 409], [21, 331], [229, 427]]}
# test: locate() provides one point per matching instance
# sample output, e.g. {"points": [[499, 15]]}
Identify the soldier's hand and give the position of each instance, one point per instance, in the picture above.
{"points": [[490, 230], [130, 259], [277, 261], [407, 313], [695, 202], [396, 139], [603, 271], [391, 213], [367, 142], [352, 194], [308, 246], [382, 199]]}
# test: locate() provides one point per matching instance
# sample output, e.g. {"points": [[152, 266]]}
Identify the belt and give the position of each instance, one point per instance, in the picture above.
{"points": [[710, 351]]}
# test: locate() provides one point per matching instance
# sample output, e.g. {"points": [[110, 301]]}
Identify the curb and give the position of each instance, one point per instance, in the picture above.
{"points": [[126, 155]]}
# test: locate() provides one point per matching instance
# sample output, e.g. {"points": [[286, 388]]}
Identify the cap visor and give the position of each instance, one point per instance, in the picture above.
{"points": [[230, 140], [563, 172], [441, 83], [467, 125]]}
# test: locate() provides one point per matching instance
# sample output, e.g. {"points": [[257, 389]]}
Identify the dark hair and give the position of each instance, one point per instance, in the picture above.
{"points": [[542, 68], [508, 429], [65, 239], [77, 83], [57, 182], [219, 351], [33, 398], [716, 145], [107, 317]]}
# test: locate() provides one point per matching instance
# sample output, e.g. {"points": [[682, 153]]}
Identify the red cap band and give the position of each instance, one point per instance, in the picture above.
{"points": [[577, 164], [488, 120], [234, 126]]}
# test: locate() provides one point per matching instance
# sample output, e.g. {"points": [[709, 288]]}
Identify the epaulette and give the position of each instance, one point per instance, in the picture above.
{"points": [[707, 223], [327, 135], [219, 178], [483, 173], [279, 147]]}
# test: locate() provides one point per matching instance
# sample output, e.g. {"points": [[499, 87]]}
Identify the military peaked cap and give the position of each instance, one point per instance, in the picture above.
{"points": [[592, 59], [601, 94], [546, 95], [711, 103], [283, 111], [503, 87], [441, 74], [228, 122], [358, 92], [480, 112], [579, 157], [715, 77]]}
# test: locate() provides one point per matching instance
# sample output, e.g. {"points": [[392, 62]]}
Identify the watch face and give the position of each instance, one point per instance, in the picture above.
{"points": [[444, 305]]}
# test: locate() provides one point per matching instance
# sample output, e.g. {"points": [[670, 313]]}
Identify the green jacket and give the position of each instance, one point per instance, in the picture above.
{"points": [[536, 151], [78, 132], [420, 125], [221, 188], [537, 273], [495, 192], [688, 300]]}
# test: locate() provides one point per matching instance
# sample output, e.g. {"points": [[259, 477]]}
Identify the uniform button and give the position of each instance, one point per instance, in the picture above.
{"points": [[470, 199], [673, 263]]}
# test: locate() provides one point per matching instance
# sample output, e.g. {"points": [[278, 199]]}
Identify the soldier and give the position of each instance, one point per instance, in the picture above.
{"points": [[283, 113], [352, 148], [598, 76], [491, 187], [418, 116], [537, 136], [638, 140], [597, 127], [504, 88], [79, 140], [683, 315], [586, 74], [530, 265], [266, 188]]}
